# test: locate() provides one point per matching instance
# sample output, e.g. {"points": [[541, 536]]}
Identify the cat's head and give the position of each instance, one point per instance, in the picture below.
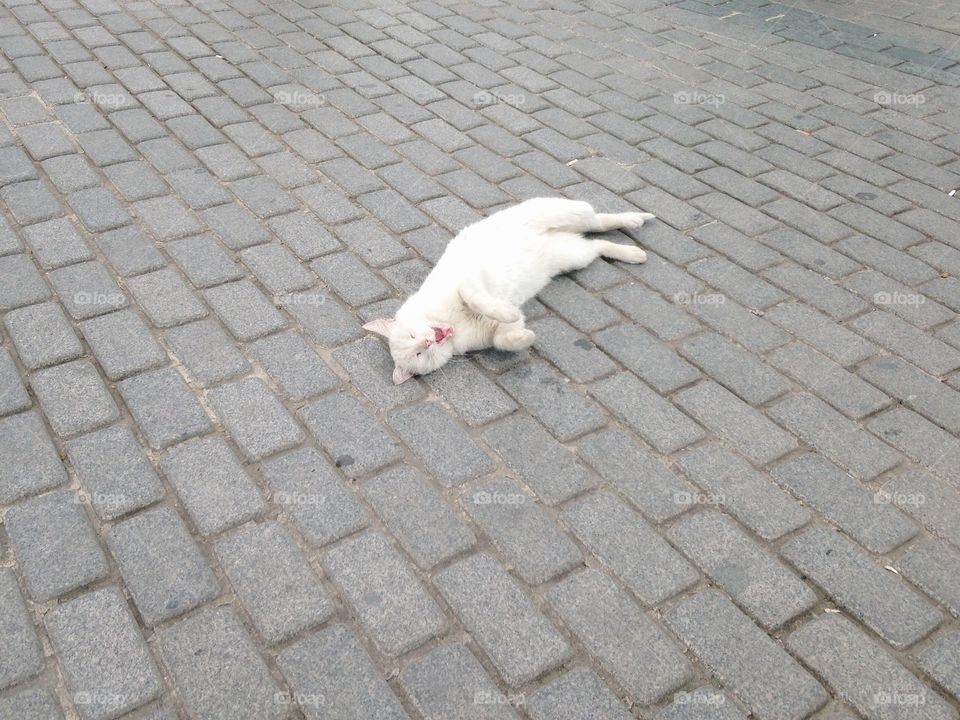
{"points": [[417, 349]]}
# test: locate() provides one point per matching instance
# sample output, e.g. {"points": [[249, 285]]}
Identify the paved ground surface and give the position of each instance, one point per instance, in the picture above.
{"points": [[722, 483]]}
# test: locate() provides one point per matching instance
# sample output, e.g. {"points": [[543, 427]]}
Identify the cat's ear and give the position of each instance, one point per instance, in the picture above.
{"points": [[400, 376], [380, 326]]}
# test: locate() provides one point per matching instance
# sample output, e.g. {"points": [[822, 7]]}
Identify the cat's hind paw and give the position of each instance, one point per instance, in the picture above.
{"points": [[515, 340], [634, 220]]}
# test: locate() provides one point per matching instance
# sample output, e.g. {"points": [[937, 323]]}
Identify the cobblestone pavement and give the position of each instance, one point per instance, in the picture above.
{"points": [[722, 484]]}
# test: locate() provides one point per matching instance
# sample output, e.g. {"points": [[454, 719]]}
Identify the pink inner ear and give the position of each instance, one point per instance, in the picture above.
{"points": [[400, 376], [380, 326]]}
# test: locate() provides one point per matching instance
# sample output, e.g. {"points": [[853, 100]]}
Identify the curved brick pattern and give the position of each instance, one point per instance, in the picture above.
{"points": [[202, 204]]}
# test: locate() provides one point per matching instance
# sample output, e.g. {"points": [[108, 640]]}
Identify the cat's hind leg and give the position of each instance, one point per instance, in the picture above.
{"points": [[577, 216], [483, 303], [513, 337], [617, 251]]}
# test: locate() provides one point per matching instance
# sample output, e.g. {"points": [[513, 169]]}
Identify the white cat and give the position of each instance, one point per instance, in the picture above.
{"points": [[471, 299]]}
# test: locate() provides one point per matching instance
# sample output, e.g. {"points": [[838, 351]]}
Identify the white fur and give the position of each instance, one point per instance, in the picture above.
{"points": [[489, 270]]}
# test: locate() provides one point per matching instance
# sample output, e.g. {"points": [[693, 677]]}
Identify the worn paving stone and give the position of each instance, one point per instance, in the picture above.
{"points": [[331, 673], [388, 599], [274, 581], [876, 597], [163, 406], [73, 397], [29, 462], [932, 567], [209, 354], [577, 695], [161, 565], [740, 655], [255, 418], [122, 344], [22, 655], [474, 397], [626, 642], [106, 664], [517, 637], [32, 704], [740, 371], [416, 514], [42, 335], [299, 371], [217, 670]]}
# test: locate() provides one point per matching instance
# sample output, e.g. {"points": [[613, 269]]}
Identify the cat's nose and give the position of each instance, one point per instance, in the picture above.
{"points": [[427, 343]]}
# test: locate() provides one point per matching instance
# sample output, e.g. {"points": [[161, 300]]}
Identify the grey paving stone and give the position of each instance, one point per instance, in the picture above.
{"points": [[208, 353], [165, 298], [748, 329], [22, 655], [105, 661], [651, 416], [163, 406], [861, 671], [544, 465], [748, 431], [652, 361], [331, 673], [417, 515], [932, 567], [531, 541], [756, 581], [910, 342], [212, 485], [440, 443], [161, 565], [841, 440], [706, 703], [203, 261], [915, 389], [73, 397], [246, 311], [866, 517], [122, 344], [941, 661], [920, 440], [29, 462], [254, 418], [577, 695], [855, 582], [42, 335], [388, 599], [742, 372], [629, 546], [274, 581], [277, 268], [827, 336], [13, 397], [368, 364], [627, 643], [577, 306], [323, 318], [236, 226], [31, 704], [294, 366], [87, 290], [56, 243], [350, 434], [729, 482], [739, 284], [474, 397], [217, 670], [116, 475], [744, 659], [309, 489], [303, 234], [519, 640]]}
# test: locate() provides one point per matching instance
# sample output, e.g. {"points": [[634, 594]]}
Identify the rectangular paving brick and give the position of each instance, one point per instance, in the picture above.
{"points": [[928, 499], [728, 481], [440, 443], [740, 371], [543, 464], [915, 389], [759, 583], [476, 399], [870, 593], [42, 335], [565, 412], [933, 567], [865, 516], [29, 462], [274, 581], [934, 356], [648, 358], [73, 397], [161, 565], [751, 665], [208, 353], [417, 515], [163, 406], [629, 546], [530, 540], [246, 311], [841, 440], [574, 355], [55, 545], [321, 506], [388, 599], [255, 418], [369, 365], [827, 336], [330, 673], [105, 661], [735, 321], [21, 655], [216, 669], [734, 421], [516, 636], [624, 640], [861, 671], [580, 694]]}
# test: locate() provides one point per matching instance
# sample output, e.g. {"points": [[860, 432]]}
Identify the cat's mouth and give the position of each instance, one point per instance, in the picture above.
{"points": [[441, 333]]}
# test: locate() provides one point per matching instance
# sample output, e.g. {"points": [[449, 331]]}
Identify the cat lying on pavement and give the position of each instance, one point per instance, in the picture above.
{"points": [[471, 299]]}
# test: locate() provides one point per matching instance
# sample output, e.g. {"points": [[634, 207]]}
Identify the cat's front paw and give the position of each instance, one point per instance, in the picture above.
{"points": [[515, 340], [634, 220]]}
